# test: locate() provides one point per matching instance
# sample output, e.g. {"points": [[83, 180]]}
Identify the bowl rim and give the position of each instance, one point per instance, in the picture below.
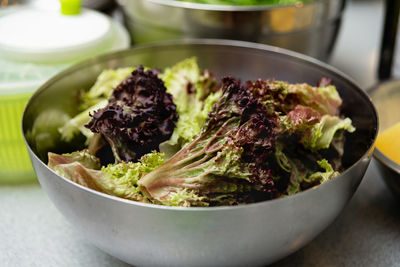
{"points": [[378, 154], [234, 8], [385, 161], [213, 42]]}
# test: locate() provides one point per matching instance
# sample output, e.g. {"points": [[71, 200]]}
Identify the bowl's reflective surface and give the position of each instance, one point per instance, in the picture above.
{"points": [[386, 97], [255, 234]]}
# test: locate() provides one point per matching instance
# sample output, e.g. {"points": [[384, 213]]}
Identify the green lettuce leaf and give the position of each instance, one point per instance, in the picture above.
{"points": [[184, 198], [193, 94], [76, 125], [104, 86], [44, 135], [93, 100], [323, 132], [322, 176], [180, 80], [316, 131], [304, 172], [115, 179], [302, 178]]}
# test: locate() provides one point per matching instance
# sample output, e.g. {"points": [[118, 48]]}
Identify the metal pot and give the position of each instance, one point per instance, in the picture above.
{"points": [[247, 235], [309, 28]]}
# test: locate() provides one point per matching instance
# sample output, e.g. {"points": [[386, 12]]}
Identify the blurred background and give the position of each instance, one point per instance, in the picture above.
{"points": [[355, 30]]}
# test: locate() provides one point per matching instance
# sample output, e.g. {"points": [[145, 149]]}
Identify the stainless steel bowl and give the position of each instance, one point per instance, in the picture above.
{"points": [[386, 97], [249, 235], [309, 28]]}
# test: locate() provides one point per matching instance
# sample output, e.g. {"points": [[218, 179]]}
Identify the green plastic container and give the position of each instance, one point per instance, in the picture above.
{"points": [[26, 63], [14, 160]]}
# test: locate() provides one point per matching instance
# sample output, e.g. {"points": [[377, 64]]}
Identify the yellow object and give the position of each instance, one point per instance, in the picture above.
{"points": [[70, 7], [388, 142], [288, 19]]}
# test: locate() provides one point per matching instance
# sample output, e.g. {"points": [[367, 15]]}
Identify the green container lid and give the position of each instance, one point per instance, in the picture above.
{"points": [[70, 7]]}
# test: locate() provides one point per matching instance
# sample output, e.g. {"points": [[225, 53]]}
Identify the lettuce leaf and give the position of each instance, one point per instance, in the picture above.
{"points": [[301, 178], [76, 125], [284, 97], [180, 80], [323, 132], [193, 93], [44, 135], [316, 131], [104, 86], [115, 179], [303, 173], [322, 176], [324, 99]]}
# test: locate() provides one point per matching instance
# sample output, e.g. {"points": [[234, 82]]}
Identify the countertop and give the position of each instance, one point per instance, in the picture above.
{"points": [[366, 233]]}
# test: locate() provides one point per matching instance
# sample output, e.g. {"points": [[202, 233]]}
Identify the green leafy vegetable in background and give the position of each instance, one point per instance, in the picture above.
{"points": [[246, 2]]}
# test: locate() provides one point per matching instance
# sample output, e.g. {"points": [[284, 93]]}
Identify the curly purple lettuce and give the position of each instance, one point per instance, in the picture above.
{"points": [[140, 115], [262, 140], [227, 162]]}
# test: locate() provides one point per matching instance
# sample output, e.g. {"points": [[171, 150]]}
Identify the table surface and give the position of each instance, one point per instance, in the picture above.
{"points": [[366, 233]]}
